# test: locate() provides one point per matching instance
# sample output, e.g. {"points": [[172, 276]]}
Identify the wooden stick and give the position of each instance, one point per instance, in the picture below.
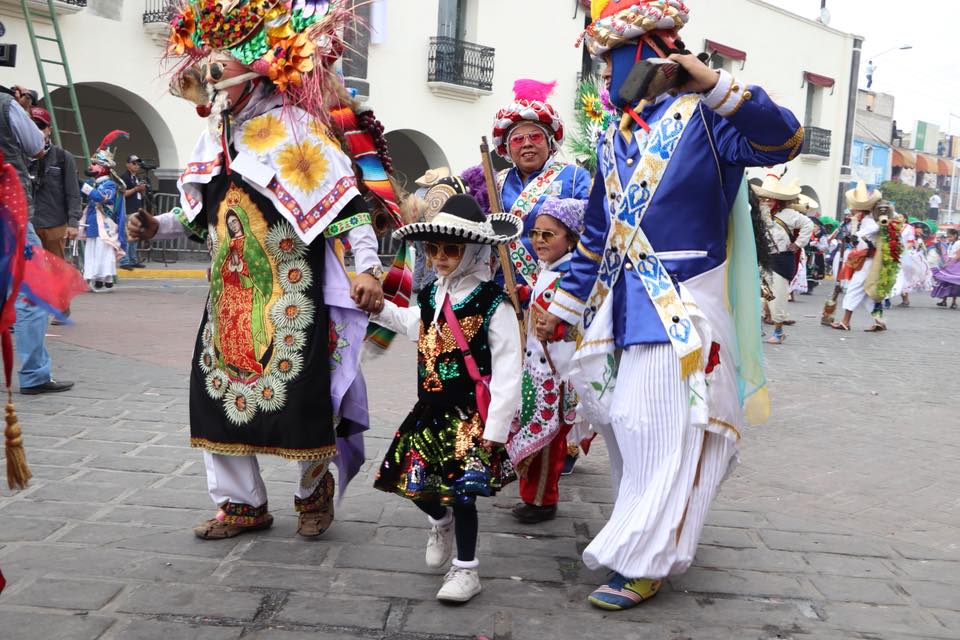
{"points": [[505, 263]]}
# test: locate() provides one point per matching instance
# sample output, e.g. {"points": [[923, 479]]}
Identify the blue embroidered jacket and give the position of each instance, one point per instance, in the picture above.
{"points": [[687, 220], [109, 198], [573, 182]]}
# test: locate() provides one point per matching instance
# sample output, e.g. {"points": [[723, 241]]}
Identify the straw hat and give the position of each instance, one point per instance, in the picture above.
{"points": [[806, 204], [862, 199], [774, 187]]}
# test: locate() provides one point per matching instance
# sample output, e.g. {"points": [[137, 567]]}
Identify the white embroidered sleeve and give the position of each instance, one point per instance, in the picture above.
{"points": [[170, 227], [506, 374], [399, 320]]}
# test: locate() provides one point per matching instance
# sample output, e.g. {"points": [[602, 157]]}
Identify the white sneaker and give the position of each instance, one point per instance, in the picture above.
{"points": [[460, 585], [440, 544]]}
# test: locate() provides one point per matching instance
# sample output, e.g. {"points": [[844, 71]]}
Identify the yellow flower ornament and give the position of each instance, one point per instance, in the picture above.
{"points": [[303, 165]]}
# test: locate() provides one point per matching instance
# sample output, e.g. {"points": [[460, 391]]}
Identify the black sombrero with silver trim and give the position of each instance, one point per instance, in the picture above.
{"points": [[462, 220]]}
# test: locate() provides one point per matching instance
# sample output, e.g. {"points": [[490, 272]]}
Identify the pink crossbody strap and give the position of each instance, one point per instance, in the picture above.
{"points": [[483, 383]]}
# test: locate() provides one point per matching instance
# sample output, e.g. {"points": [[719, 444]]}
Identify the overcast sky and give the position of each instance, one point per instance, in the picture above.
{"points": [[923, 79]]}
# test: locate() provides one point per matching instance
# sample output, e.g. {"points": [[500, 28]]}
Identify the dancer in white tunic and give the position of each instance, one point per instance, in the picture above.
{"points": [[790, 231], [915, 274]]}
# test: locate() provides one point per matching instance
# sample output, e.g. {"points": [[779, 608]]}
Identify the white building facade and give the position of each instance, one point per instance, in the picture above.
{"points": [[436, 72]]}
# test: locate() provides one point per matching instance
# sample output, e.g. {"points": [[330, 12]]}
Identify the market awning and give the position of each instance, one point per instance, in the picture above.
{"points": [[725, 51], [903, 158], [943, 168], [819, 80], [926, 164]]}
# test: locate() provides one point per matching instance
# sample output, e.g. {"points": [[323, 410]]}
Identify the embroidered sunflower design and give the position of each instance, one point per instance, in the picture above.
{"points": [[239, 404], [284, 244], [271, 394], [217, 383], [303, 165], [286, 366], [296, 276], [263, 134], [292, 311], [291, 340]]}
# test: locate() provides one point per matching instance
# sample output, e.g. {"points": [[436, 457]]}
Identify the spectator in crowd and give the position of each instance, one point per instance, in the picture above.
{"points": [[137, 196], [20, 140], [56, 192], [934, 203], [27, 98]]}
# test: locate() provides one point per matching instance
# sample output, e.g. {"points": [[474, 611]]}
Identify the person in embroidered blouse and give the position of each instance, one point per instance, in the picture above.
{"points": [[547, 416], [529, 134], [647, 283], [449, 450]]}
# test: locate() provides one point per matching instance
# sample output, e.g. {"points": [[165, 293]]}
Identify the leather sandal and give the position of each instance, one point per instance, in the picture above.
{"points": [[316, 512], [216, 529], [876, 328], [840, 326]]}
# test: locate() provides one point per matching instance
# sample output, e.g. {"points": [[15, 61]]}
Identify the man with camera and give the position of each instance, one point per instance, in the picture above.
{"points": [[137, 197]]}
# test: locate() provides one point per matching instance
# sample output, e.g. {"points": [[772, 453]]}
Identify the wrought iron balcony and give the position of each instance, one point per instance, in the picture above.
{"points": [[156, 19], [460, 63], [158, 11], [816, 141]]}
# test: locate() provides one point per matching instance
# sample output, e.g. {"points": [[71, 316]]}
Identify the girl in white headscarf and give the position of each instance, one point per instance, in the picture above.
{"points": [[449, 450]]}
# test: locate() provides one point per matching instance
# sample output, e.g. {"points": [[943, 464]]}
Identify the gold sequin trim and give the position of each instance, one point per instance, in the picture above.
{"points": [[468, 432], [795, 139], [596, 257], [225, 449]]}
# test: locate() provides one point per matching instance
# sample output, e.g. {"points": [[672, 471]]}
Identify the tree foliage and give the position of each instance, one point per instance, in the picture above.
{"points": [[910, 201]]}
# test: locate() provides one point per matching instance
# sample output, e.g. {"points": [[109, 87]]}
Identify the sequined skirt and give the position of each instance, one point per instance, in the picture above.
{"points": [[437, 455]]}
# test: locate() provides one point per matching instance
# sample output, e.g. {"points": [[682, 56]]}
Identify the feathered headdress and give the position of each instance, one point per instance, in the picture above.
{"points": [[292, 43], [104, 156], [529, 105]]}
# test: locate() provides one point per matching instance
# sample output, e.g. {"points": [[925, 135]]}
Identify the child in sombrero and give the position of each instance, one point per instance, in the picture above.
{"points": [[449, 450]]}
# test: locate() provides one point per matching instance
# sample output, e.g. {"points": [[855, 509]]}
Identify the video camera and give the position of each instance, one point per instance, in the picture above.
{"points": [[147, 165]]}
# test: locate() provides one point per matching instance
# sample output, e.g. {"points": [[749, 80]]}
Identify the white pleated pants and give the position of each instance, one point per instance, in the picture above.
{"points": [[237, 479], [665, 473], [780, 287], [856, 295]]}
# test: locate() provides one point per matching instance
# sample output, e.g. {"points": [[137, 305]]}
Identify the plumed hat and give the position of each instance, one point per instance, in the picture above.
{"points": [[461, 220], [104, 155], [616, 22], [862, 199], [529, 105]]}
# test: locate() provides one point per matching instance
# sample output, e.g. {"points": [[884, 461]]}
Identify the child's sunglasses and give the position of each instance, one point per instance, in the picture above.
{"points": [[434, 249]]}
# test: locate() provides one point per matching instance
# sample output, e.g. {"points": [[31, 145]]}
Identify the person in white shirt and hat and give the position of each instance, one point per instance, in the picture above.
{"points": [[859, 262], [789, 231]]}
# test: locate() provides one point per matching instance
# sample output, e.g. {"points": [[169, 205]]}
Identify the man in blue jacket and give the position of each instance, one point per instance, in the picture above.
{"points": [[647, 285]]}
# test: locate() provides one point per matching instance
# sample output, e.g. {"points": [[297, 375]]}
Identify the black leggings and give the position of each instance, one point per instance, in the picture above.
{"points": [[466, 523]]}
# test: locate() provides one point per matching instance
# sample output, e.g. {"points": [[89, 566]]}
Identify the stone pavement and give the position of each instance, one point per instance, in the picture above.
{"points": [[841, 522]]}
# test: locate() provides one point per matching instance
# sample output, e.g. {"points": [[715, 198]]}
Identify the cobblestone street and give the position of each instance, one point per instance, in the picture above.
{"points": [[842, 521]]}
